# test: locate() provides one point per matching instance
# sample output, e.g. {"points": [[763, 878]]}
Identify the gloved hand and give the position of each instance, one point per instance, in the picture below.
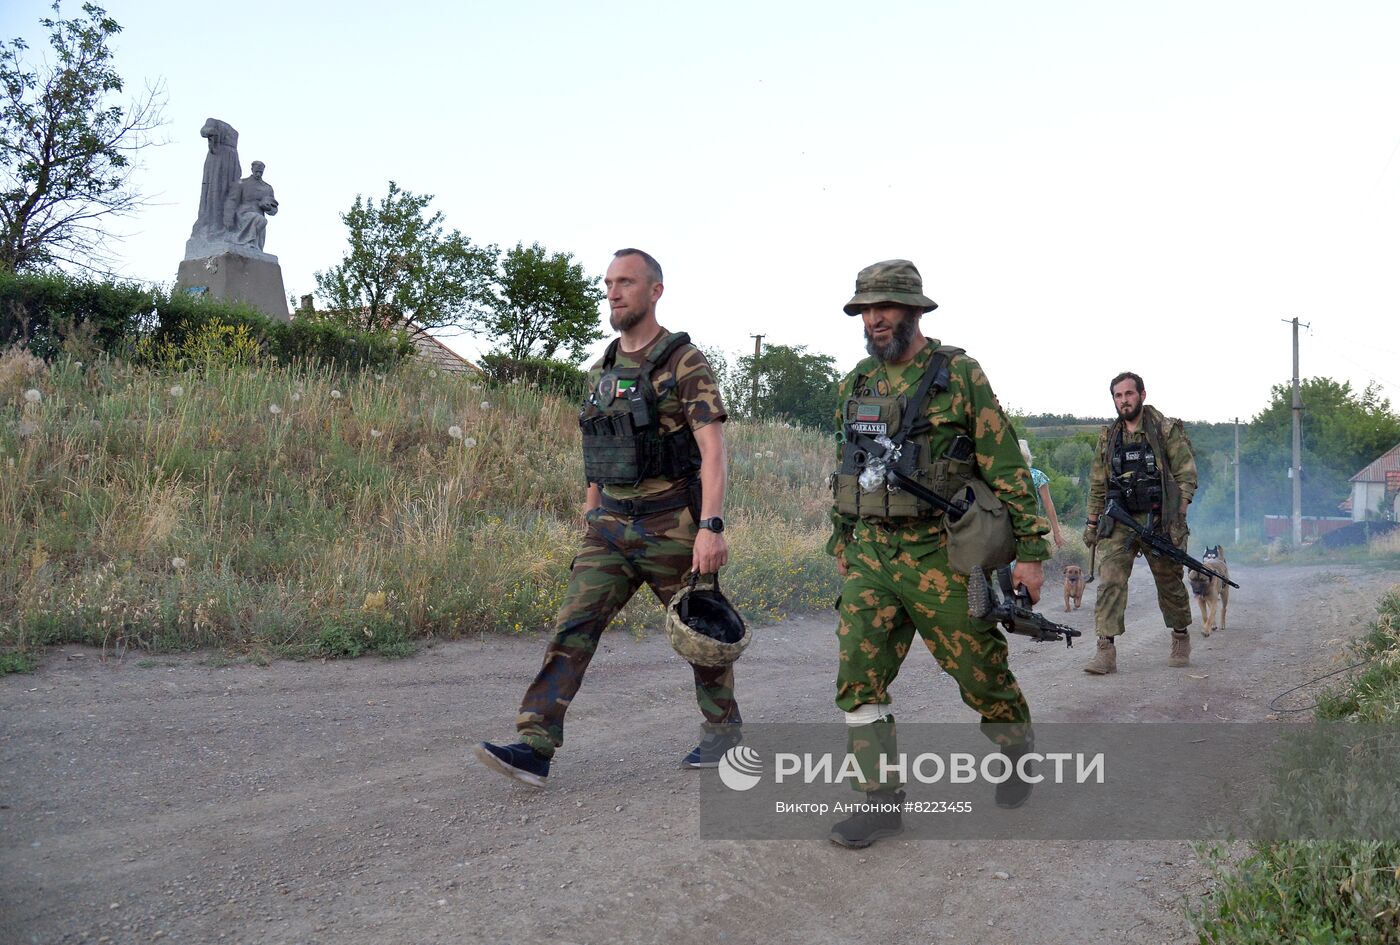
{"points": [[1091, 535]]}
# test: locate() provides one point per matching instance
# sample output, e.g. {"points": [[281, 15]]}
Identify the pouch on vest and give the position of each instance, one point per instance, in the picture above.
{"points": [[877, 416], [982, 537]]}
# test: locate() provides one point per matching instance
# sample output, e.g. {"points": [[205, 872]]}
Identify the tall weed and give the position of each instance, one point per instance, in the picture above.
{"points": [[208, 499]]}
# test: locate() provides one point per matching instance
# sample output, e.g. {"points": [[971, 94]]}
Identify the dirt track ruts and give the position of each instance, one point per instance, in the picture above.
{"points": [[176, 799]]}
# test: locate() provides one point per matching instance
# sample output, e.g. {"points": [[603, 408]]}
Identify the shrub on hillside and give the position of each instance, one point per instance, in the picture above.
{"points": [[181, 317], [52, 313], [560, 377], [41, 312]]}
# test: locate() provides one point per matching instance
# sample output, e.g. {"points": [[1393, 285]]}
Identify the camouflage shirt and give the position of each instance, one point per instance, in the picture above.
{"points": [[1180, 459], [687, 394], [968, 407]]}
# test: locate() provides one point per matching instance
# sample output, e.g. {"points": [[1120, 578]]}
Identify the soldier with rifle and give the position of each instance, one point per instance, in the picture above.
{"points": [[919, 420], [1141, 481]]}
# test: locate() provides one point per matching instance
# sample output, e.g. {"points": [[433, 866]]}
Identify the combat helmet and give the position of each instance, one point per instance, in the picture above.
{"points": [[704, 627]]}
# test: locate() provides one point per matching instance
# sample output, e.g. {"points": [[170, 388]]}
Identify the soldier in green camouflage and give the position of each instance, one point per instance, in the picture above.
{"points": [[892, 549], [1143, 462], [655, 460]]}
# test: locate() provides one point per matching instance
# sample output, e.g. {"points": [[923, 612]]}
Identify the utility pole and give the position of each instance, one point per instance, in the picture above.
{"points": [[757, 350], [1237, 480], [1295, 472]]}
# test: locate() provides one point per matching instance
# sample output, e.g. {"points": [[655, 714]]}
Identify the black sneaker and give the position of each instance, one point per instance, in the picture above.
{"points": [[518, 761], [863, 828], [712, 747], [1012, 792]]}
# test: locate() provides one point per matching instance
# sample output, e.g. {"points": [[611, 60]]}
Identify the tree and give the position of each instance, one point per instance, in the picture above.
{"points": [[792, 385], [541, 302], [1073, 457], [401, 266], [65, 149], [1342, 432]]}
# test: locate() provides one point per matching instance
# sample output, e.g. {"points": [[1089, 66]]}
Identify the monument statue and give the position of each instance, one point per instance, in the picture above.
{"points": [[224, 256], [221, 172], [246, 209]]}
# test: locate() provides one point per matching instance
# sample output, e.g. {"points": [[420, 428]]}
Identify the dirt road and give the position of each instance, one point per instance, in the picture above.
{"points": [[175, 799]]}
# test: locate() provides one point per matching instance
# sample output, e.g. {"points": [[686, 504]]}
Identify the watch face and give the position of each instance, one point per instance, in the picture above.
{"points": [[715, 524]]}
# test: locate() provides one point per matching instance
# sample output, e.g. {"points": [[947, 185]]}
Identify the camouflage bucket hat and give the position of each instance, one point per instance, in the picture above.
{"points": [[894, 280]]}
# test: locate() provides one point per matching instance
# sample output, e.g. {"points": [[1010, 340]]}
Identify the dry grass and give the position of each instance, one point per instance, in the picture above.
{"points": [[300, 510]]}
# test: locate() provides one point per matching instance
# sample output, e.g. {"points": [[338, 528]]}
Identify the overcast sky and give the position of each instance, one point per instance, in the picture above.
{"points": [[1086, 187]]}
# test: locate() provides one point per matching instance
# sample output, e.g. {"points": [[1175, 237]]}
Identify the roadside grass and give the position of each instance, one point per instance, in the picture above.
{"points": [[1319, 892], [1381, 551], [304, 512]]}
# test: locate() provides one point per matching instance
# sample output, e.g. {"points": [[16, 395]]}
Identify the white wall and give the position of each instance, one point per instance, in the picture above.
{"points": [[1366, 498]]}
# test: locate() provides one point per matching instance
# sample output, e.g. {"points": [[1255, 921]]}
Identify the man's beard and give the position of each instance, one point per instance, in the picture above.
{"points": [[1132, 415], [624, 320], [901, 337]]}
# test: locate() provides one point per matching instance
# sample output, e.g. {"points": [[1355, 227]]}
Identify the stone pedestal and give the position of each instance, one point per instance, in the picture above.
{"points": [[236, 277]]}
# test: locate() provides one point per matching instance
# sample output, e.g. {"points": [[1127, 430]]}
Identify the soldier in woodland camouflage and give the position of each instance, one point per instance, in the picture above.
{"points": [[1144, 463], [653, 437], [892, 549]]}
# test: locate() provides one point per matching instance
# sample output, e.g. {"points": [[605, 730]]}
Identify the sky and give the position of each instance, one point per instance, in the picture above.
{"points": [[1087, 188]]}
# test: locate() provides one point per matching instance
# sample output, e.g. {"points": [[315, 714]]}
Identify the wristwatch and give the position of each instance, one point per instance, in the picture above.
{"points": [[715, 524]]}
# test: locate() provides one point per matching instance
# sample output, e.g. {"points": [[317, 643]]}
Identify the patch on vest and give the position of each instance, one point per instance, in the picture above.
{"points": [[608, 388], [868, 420]]}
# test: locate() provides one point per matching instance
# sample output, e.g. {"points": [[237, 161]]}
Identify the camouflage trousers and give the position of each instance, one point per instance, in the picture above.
{"points": [[619, 554], [890, 593], [1115, 562]]}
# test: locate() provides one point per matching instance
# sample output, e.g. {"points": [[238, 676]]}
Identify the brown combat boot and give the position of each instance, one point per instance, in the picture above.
{"points": [[1181, 649], [1105, 661]]}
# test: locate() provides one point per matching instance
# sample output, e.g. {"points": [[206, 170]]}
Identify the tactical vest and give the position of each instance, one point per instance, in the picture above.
{"points": [[1135, 475], [866, 417], [621, 425]]}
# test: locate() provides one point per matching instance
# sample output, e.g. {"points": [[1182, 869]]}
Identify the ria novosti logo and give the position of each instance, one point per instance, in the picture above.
{"points": [[741, 768]]}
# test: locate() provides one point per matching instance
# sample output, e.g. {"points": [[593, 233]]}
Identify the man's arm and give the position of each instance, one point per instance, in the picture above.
{"points": [[1002, 466], [1181, 460], [841, 525], [711, 549], [1098, 476]]}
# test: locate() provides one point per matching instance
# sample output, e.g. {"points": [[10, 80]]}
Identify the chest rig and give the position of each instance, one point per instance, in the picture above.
{"points": [[881, 432], [1135, 476], [621, 423]]}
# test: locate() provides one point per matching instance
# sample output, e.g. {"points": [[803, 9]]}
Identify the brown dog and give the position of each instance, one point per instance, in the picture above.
{"points": [[1211, 593], [1074, 586]]}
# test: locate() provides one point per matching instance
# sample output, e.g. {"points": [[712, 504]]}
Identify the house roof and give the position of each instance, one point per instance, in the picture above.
{"points": [[434, 353], [1388, 461]]}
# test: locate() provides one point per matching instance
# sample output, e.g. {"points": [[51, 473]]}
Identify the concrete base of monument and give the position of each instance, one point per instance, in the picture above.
{"points": [[235, 277]]}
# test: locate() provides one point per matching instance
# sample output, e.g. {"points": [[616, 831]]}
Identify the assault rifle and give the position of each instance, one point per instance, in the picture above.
{"points": [[1158, 545], [1013, 609]]}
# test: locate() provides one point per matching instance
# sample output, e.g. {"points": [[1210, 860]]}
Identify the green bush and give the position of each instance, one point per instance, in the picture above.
{"points": [[354, 634], [180, 316], [17, 661], [53, 313], [559, 377], [42, 312]]}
